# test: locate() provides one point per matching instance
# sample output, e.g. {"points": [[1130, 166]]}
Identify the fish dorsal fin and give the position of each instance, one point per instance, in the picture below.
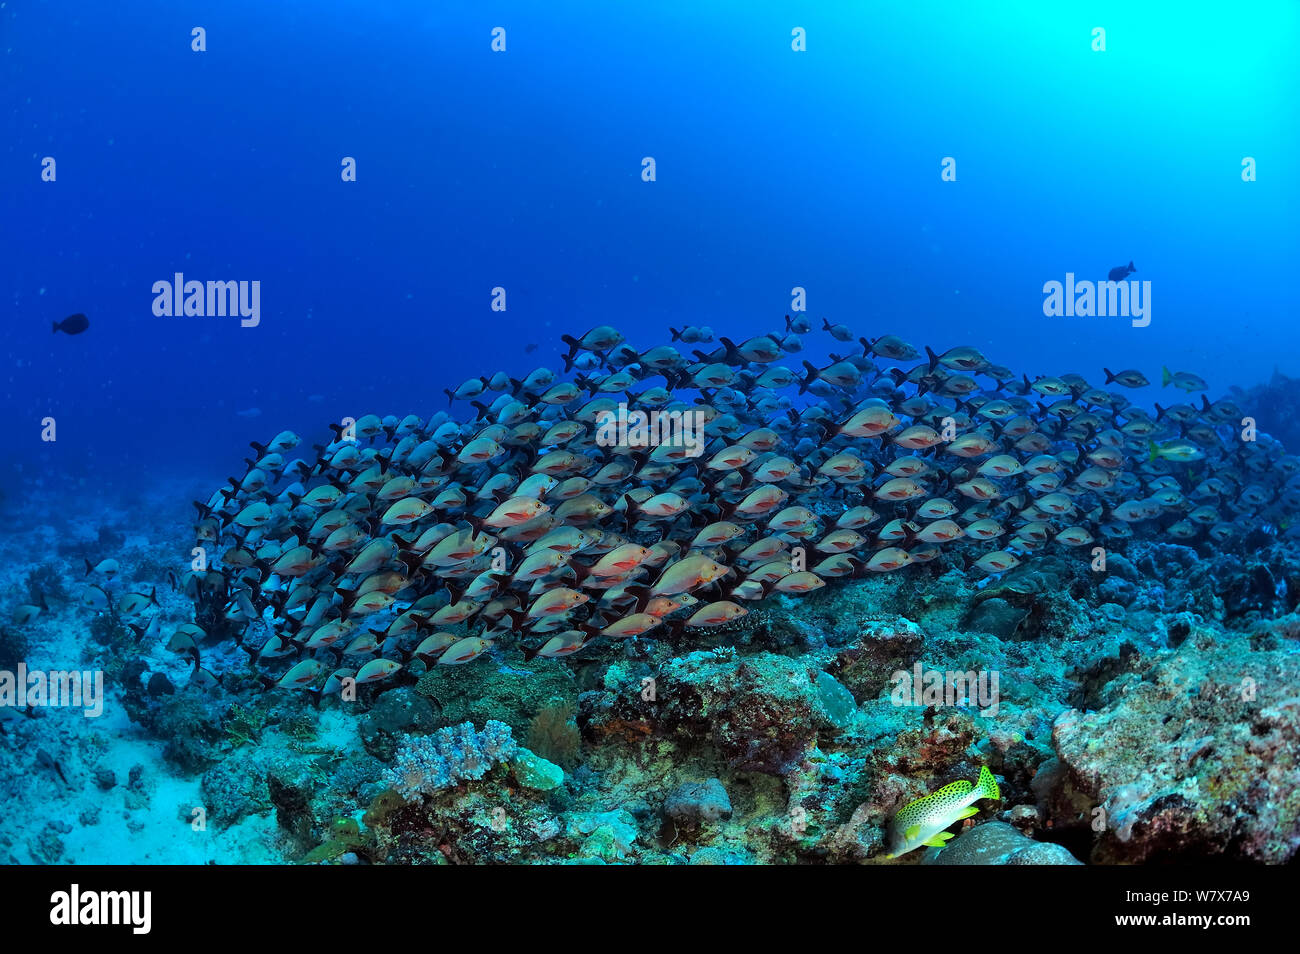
{"points": [[954, 790]]}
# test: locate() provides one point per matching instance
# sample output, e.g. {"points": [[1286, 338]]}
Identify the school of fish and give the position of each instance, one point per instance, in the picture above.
{"points": [[505, 524]]}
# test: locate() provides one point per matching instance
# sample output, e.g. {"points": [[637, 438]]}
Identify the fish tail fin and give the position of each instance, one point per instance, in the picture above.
{"points": [[580, 572], [278, 601], [1131, 266], [826, 325], [789, 325], [812, 376], [349, 598], [265, 568], [450, 396], [89, 568], [412, 561], [1153, 451], [455, 591], [732, 355], [574, 347], [1160, 411], [1110, 375], [1165, 377], [934, 358], [518, 620], [986, 786], [632, 509], [642, 594], [677, 335]]}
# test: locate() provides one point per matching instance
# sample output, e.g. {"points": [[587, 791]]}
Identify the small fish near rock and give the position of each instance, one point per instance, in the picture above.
{"points": [[923, 822]]}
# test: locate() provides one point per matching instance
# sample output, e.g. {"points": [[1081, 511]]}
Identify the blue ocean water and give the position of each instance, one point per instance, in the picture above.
{"points": [[521, 169]]}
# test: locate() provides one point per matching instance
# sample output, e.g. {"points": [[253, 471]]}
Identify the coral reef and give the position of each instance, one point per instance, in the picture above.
{"points": [[1194, 754], [1142, 715]]}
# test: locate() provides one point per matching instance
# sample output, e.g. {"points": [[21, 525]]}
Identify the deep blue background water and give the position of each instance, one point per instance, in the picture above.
{"points": [[522, 169]]}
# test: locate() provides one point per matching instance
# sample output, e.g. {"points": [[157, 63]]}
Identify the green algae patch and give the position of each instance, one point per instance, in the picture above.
{"points": [[533, 771], [345, 836], [836, 701]]}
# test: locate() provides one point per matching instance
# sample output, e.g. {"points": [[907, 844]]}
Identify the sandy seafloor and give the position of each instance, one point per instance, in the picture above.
{"points": [[95, 825]]}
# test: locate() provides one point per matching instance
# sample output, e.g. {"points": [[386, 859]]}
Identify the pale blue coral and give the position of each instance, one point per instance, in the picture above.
{"points": [[427, 763]]}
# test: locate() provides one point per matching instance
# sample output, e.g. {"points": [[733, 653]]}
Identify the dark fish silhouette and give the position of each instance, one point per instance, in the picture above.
{"points": [[46, 760], [1121, 272], [72, 325]]}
